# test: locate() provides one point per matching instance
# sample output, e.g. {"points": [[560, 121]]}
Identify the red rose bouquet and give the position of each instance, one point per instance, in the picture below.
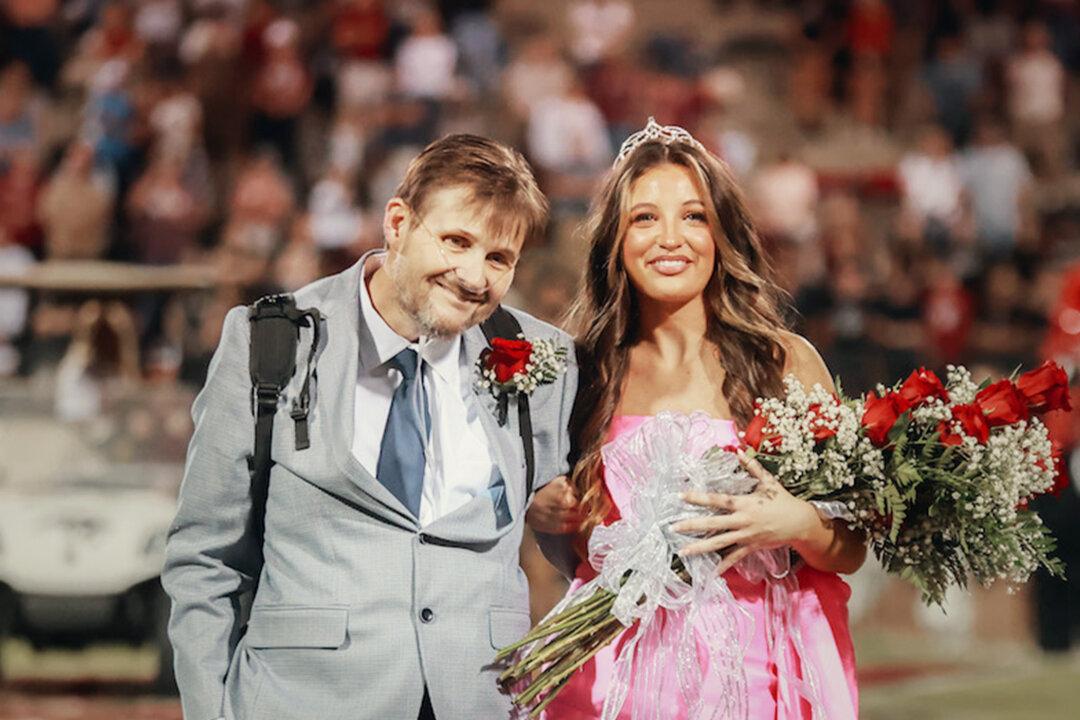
{"points": [[937, 475]]}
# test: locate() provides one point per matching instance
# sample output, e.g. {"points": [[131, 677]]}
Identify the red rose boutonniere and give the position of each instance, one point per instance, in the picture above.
{"points": [[518, 367]]}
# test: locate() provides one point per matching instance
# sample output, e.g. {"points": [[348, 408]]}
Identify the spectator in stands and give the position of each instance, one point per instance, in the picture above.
{"points": [[210, 52], [479, 40], [536, 74], [111, 39], [1005, 326], [990, 33], [842, 317], [947, 310], [20, 184], [895, 323], [931, 190], [786, 198], [110, 120], [426, 60], [867, 89], [870, 29], [954, 80], [599, 29], [360, 31], [334, 221], [281, 89], [164, 212], [176, 118], [809, 86], [263, 194], [998, 182], [158, 23], [76, 207], [21, 113], [568, 142], [1036, 101]]}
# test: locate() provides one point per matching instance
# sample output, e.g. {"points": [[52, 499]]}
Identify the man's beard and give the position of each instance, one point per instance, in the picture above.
{"points": [[422, 310]]}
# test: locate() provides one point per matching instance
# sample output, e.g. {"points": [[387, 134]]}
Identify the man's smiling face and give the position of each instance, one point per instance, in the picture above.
{"points": [[450, 270]]}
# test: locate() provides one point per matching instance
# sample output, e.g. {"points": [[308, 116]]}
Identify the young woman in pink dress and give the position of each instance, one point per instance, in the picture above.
{"points": [[678, 314]]}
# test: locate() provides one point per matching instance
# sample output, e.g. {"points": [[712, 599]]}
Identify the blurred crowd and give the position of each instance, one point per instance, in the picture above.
{"points": [[909, 163], [912, 164]]}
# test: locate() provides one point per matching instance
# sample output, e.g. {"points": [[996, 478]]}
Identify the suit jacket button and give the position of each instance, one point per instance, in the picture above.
{"points": [[427, 615]]}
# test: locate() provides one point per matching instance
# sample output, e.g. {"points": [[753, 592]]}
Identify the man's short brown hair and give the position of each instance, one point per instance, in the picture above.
{"points": [[501, 183]]}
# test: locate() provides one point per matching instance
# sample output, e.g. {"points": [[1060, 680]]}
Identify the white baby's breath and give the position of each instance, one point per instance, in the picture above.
{"points": [[933, 514]]}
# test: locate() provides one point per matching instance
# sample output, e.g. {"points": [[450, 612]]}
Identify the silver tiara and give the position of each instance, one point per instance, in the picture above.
{"points": [[655, 132]]}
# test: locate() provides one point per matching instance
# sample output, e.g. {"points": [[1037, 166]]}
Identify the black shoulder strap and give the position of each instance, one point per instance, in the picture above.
{"points": [[502, 324], [275, 332]]}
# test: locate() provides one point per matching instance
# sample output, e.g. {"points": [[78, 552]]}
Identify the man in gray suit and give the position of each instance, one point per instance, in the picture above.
{"points": [[387, 572]]}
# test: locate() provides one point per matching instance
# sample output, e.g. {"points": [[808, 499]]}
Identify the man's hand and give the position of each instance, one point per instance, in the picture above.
{"points": [[554, 508]]}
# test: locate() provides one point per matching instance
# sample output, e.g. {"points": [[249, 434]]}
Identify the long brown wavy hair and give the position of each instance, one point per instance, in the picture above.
{"points": [[743, 307]]}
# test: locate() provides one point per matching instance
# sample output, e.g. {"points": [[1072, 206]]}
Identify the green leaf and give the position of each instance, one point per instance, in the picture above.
{"points": [[896, 507], [907, 474], [946, 460], [899, 430], [899, 446]]}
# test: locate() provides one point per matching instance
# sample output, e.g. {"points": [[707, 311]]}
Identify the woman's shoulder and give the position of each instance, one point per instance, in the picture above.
{"points": [[799, 349], [804, 361]]}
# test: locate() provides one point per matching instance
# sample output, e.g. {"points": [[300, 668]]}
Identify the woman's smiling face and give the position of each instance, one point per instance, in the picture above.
{"points": [[668, 249]]}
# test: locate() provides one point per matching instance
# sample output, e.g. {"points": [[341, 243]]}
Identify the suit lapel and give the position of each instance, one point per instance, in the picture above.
{"points": [[504, 440], [338, 371]]}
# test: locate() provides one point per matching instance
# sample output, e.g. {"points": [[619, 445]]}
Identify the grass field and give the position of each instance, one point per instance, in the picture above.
{"points": [[909, 678], [901, 678]]}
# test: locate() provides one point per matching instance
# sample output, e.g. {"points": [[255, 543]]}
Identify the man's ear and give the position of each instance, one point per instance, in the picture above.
{"points": [[396, 219]]}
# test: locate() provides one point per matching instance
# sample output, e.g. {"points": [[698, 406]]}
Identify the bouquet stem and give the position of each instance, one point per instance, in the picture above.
{"points": [[569, 617], [563, 667]]}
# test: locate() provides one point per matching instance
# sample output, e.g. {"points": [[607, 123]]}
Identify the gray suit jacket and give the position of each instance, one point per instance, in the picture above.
{"points": [[357, 609]]}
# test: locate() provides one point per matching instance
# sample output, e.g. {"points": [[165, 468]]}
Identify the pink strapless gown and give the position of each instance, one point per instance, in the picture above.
{"points": [[819, 613]]}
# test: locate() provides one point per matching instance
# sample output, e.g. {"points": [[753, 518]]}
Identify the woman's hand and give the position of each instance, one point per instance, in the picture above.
{"points": [[554, 508], [767, 518]]}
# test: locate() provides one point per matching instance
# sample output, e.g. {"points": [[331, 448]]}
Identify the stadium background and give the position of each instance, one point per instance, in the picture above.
{"points": [[912, 165]]}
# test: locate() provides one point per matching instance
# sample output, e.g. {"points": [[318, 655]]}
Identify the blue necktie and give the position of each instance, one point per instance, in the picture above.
{"points": [[401, 455]]}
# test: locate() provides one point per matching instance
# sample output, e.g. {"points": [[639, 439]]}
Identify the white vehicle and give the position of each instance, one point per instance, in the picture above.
{"points": [[81, 558]]}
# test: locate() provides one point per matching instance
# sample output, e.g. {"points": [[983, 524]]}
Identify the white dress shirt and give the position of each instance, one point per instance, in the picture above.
{"points": [[459, 465]]}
